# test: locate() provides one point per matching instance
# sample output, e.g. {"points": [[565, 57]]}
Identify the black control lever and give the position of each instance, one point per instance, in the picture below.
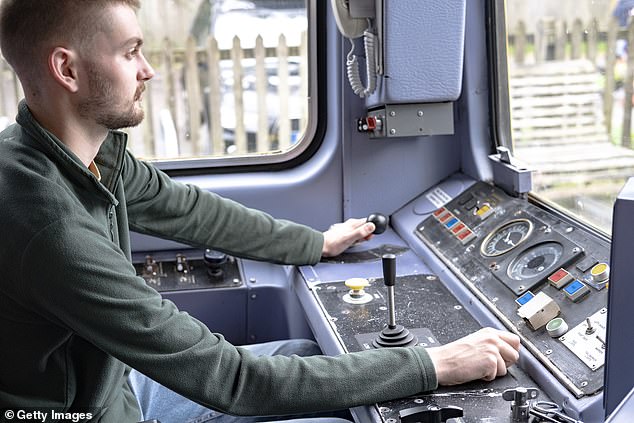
{"points": [[380, 222], [392, 335], [519, 398], [429, 414]]}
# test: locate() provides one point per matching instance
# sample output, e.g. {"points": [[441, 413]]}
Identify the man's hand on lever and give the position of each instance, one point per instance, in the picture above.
{"points": [[341, 236], [485, 354]]}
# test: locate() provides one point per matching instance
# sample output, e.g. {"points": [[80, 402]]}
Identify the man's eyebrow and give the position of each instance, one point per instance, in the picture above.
{"points": [[134, 41]]}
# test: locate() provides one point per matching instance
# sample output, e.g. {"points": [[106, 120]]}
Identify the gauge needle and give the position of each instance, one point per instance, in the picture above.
{"points": [[507, 239]]}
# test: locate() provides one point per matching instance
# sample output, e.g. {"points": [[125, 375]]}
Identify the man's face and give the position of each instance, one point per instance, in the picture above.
{"points": [[114, 72]]}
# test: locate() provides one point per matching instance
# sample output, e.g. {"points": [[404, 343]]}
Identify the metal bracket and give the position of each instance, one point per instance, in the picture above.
{"points": [[510, 174]]}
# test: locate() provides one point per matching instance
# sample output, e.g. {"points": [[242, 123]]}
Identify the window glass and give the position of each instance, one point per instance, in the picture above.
{"points": [[570, 100], [231, 80]]}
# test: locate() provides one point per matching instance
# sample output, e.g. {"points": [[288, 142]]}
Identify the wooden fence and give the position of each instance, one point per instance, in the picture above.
{"points": [[212, 102], [559, 41]]}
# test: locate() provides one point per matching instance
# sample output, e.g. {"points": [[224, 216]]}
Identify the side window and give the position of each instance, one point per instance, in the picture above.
{"points": [[231, 81], [570, 100]]}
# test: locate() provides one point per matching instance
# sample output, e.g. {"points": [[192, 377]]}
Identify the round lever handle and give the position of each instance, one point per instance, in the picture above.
{"points": [[380, 222]]}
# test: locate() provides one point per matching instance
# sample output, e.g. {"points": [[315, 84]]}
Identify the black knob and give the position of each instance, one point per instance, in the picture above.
{"points": [[214, 261], [389, 269], [380, 222]]}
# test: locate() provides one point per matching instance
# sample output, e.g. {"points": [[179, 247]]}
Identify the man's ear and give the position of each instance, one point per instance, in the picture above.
{"points": [[62, 64]]}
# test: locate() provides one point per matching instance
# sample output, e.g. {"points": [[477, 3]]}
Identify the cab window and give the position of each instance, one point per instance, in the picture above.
{"points": [[569, 81]]}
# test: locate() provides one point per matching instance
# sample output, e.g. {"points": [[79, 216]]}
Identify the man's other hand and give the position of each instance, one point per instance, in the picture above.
{"points": [[343, 235], [485, 354]]}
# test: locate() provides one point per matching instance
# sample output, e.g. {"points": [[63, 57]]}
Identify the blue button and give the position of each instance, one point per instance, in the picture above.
{"points": [[451, 222], [574, 287], [525, 298]]}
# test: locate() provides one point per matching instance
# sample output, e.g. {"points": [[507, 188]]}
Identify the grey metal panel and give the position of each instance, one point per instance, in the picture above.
{"points": [[273, 309], [212, 306]]}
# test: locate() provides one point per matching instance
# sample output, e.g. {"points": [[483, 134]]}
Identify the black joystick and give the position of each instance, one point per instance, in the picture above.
{"points": [[214, 261], [380, 222], [392, 335]]}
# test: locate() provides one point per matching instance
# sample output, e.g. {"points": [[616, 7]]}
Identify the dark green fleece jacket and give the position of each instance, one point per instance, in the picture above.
{"points": [[74, 317]]}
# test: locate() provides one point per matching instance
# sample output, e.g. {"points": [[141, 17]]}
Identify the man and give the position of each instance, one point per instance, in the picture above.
{"points": [[74, 317]]}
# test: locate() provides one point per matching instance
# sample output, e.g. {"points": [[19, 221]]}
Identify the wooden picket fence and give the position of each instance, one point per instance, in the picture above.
{"points": [[558, 41], [197, 88]]}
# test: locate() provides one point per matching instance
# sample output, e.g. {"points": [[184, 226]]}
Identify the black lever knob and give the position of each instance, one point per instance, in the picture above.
{"points": [[214, 261], [389, 269], [380, 222], [429, 414], [519, 398]]}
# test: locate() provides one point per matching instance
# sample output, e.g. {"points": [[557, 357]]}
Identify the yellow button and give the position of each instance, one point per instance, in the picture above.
{"points": [[482, 210], [357, 284], [600, 272]]}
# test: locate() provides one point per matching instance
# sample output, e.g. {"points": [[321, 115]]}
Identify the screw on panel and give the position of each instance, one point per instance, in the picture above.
{"points": [[420, 113], [392, 113], [254, 296], [393, 131], [548, 352], [584, 384], [252, 280]]}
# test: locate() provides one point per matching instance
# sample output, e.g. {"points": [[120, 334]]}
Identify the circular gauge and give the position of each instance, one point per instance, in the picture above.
{"points": [[535, 261], [506, 237]]}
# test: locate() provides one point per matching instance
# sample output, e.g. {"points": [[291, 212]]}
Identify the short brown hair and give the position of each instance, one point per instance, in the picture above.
{"points": [[29, 27]]}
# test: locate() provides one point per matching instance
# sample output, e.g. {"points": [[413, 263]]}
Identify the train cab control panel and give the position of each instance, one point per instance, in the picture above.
{"points": [[175, 271], [534, 272], [544, 277]]}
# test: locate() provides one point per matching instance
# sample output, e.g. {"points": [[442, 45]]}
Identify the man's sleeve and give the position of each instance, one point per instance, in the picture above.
{"points": [[92, 289], [159, 206]]}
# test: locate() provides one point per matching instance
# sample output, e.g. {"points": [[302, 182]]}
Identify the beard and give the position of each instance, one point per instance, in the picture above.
{"points": [[103, 105]]}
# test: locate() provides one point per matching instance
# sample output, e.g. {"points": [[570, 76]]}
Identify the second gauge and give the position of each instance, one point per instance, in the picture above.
{"points": [[506, 237]]}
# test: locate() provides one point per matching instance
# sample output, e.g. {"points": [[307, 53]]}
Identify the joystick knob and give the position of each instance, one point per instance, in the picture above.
{"points": [[380, 222], [214, 261]]}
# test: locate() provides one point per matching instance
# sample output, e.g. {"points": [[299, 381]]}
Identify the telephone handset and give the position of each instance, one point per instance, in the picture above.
{"points": [[353, 28]]}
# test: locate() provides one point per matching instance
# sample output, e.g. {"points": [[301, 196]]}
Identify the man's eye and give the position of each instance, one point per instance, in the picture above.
{"points": [[132, 53]]}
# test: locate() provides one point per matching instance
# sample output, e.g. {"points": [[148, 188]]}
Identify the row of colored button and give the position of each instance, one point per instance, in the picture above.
{"points": [[454, 225]]}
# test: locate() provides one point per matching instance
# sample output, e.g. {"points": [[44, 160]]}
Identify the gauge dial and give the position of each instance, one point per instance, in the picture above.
{"points": [[535, 261], [506, 237]]}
